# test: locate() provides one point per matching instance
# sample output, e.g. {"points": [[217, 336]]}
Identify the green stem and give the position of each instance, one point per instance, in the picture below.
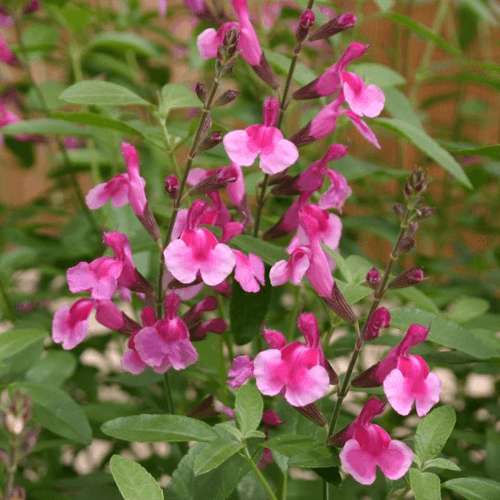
{"points": [[282, 491], [404, 492], [259, 475], [177, 202], [12, 468], [168, 394], [283, 105]]}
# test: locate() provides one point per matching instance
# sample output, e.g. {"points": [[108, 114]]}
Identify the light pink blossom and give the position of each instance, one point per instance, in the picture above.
{"points": [[293, 270], [364, 100], [249, 271], [367, 446], [162, 8], [241, 370], [198, 251], [276, 153], [70, 324]]}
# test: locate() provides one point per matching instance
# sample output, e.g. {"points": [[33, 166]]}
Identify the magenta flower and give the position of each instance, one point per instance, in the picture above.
{"points": [[295, 370], [6, 55], [165, 344], [293, 270], [241, 370], [110, 316], [162, 8], [249, 271], [406, 378], [276, 153], [70, 324], [367, 446], [198, 251], [367, 100]]}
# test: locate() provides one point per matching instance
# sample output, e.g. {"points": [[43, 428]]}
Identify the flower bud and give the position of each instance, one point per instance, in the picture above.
{"points": [[271, 418], [30, 438], [406, 244], [206, 125], [312, 412], [17, 493], [270, 111], [340, 23], [425, 212], [412, 229], [398, 209], [217, 180], [201, 92], [231, 40], [373, 278], [227, 97], [172, 186], [31, 7], [412, 276], [307, 19], [339, 305], [381, 318], [214, 139]]}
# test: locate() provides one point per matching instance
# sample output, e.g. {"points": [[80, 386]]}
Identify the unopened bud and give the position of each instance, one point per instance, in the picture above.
{"points": [[3, 12], [206, 125], [219, 179], [231, 40], [412, 229], [31, 7], [227, 97], [406, 244], [17, 493], [373, 278], [13, 423], [381, 318], [340, 23], [425, 212], [307, 19], [339, 305], [269, 417], [201, 92], [214, 139], [411, 277], [398, 209], [313, 413], [30, 438], [172, 186]]}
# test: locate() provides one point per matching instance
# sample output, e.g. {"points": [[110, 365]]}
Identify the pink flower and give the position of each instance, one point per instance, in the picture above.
{"points": [[336, 195], [6, 55], [70, 324], [367, 446], [198, 251], [166, 343], [241, 370], [249, 271], [293, 270], [296, 371], [406, 378], [276, 153], [367, 100], [192, 318], [123, 188], [162, 8], [110, 316]]}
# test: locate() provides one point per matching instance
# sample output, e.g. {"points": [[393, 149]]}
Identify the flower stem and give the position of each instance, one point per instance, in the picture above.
{"points": [[283, 105], [259, 475]]}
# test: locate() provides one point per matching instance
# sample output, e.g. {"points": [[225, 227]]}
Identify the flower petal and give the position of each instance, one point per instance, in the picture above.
{"points": [[395, 460], [236, 145], [358, 462]]}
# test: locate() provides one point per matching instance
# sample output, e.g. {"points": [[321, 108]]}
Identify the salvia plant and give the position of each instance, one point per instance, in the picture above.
{"points": [[275, 360]]}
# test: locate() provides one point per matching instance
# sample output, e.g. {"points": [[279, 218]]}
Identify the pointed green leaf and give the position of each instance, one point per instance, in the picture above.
{"points": [[425, 485], [54, 368], [159, 428], [175, 95], [214, 454], [44, 126], [433, 431], [133, 480], [16, 340], [248, 407], [427, 145], [377, 74], [101, 94], [122, 41], [474, 488], [441, 463], [468, 308], [55, 410], [400, 107]]}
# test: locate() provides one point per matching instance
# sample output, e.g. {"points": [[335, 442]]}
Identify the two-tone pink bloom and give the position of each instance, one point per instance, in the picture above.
{"points": [[296, 371], [198, 251], [70, 324], [162, 344], [276, 153], [367, 445], [249, 271], [405, 377]]}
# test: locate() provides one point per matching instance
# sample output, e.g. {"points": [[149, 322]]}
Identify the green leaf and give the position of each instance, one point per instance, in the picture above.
{"points": [[481, 10], [247, 311], [17, 340], [425, 485], [441, 463], [400, 107], [158, 428], [54, 368], [479, 343], [214, 454], [355, 168], [418, 297], [75, 16], [377, 74], [57, 412], [353, 293], [175, 95], [492, 452], [385, 4], [269, 252], [123, 41], [359, 267], [101, 94], [290, 444], [423, 31], [341, 264], [469, 150], [216, 484], [468, 308], [98, 121], [44, 126], [248, 407], [474, 488], [427, 145], [433, 431], [133, 480], [50, 91], [302, 74], [23, 150]]}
